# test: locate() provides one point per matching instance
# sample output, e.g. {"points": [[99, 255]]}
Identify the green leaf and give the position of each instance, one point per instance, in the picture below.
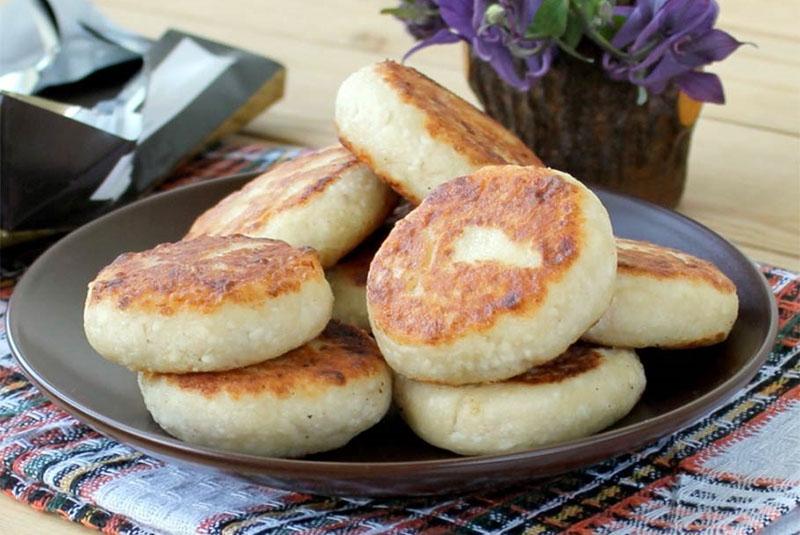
{"points": [[550, 20], [409, 11], [610, 30], [591, 9], [399, 12], [574, 32]]}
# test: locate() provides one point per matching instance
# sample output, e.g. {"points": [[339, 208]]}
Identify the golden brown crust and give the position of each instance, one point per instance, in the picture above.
{"points": [[340, 354], [412, 278], [204, 273], [574, 361], [289, 185], [645, 259], [456, 122]]}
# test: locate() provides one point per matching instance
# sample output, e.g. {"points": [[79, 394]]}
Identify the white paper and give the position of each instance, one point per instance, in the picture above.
{"points": [[116, 182], [195, 67]]}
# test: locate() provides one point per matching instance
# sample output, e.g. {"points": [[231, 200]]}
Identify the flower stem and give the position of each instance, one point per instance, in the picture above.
{"points": [[572, 52], [641, 54], [595, 36]]}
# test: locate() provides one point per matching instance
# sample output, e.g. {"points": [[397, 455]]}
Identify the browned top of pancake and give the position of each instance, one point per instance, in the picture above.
{"points": [[289, 185], [204, 273], [417, 293], [340, 354], [452, 120], [650, 260], [574, 361]]}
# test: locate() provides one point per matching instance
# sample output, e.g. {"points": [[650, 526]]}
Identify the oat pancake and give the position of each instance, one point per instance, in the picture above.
{"points": [[211, 303], [666, 298], [326, 199], [348, 280], [493, 273], [315, 398], [579, 393], [415, 134]]}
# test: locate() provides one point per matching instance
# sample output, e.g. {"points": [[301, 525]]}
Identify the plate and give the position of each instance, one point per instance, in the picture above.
{"points": [[45, 327]]}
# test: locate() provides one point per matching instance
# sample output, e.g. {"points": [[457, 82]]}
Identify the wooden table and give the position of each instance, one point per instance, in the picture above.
{"points": [[744, 173]]}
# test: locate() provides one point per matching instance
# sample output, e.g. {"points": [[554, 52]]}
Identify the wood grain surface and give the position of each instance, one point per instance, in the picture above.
{"points": [[744, 165]]}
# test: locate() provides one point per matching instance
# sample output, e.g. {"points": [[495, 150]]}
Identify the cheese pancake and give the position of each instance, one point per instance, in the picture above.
{"points": [[415, 134], [314, 398], [325, 199], [211, 303], [580, 393], [493, 273], [348, 280], [666, 298]]}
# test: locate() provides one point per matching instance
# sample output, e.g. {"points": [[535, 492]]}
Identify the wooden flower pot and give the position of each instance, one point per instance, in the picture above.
{"points": [[579, 121]]}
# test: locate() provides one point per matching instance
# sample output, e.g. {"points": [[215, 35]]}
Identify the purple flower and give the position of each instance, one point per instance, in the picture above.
{"points": [[659, 42], [496, 32], [669, 40]]}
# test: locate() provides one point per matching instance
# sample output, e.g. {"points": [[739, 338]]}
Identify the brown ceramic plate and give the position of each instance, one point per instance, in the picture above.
{"points": [[46, 335]]}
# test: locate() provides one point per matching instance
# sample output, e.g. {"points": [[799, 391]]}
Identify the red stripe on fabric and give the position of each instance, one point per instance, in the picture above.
{"points": [[346, 523], [39, 497], [7, 372], [464, 517], [695, 463], [589, 525], [37, 451], [630, 511], [35, 418], [87, 488]]}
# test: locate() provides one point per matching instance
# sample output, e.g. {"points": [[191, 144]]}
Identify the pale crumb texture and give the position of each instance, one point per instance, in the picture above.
{"points": [[349, 298], [231, 336], [515, 341], [495, 418], [326, 200], [667, 313], [336, 222], [267, 424], [377, 124]]}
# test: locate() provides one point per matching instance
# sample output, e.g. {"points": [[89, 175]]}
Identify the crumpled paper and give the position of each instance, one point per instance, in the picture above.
{"points": [[128, 111]]}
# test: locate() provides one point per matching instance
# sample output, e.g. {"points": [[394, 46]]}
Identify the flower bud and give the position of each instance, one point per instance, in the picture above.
{"points": [[495, 14]]}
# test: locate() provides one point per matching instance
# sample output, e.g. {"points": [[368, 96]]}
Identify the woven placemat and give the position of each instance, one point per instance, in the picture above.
{"points": [[733, 471]]}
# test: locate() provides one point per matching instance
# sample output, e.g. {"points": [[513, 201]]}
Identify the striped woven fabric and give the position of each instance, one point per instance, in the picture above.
{"points": [[229, 159], [734, 471]]}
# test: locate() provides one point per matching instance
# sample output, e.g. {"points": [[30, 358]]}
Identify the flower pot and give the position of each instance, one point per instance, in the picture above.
{"points": [[579, 121]]}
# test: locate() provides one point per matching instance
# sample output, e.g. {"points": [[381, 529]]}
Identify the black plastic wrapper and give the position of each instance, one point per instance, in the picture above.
{"points": [[114, 134]]}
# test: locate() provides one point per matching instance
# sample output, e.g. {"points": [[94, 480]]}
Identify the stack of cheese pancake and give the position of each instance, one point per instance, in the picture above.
{"points": [[494, 304], [231, 329]]}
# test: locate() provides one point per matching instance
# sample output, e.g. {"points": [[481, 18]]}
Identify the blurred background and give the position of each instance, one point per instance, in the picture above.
{"points": [[744, 168]]}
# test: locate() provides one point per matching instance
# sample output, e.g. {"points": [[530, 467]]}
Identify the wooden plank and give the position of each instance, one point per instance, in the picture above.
{"points": [[768, 17], [19, 519], [726, 154], [745, 185], [744, 168], [761, 83], [790, 262]]}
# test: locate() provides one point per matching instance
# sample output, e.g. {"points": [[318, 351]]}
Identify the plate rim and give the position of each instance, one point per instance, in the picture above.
{"points": [[639, 433]]}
